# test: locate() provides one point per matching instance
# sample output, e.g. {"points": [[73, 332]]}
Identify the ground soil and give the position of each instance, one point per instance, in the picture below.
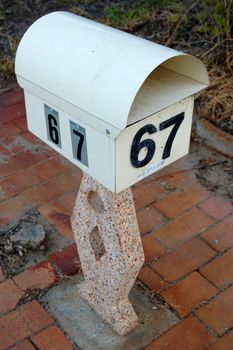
{"points": [[212, 170], [19, 257]]}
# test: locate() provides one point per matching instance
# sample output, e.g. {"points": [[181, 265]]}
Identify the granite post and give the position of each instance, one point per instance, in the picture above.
{"points": [[109, 245]]}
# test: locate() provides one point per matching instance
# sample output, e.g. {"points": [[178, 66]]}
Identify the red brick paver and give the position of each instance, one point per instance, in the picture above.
{"points": [[225, 343], [12, 112], [23, 345], [13, 328], [8, 130], [50, 168], [149, 218], [21, 123], [52, 338], [152, 248], [188, 293], [188, 334], [218, 313], [218, 208], [220, 271], [11, 165], [183, 260], [29, 158], [17, 183], [178, 202], [40, 276], [35, 316], [68, 200], [52, 189], [173, 177], [11, 210], [146, 194], [11, 97], [10, 295], [22, 143], [67, 260], [4, 152], [151, 279], [55, 213], [220, 236], [66, 230], [183, 228]]}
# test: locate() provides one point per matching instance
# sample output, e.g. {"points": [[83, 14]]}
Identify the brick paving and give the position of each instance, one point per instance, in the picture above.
{"points": [[41, 275], [187, 235]]}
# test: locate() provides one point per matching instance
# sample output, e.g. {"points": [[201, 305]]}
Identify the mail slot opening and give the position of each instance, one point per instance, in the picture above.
{"points": [[172, 81]]}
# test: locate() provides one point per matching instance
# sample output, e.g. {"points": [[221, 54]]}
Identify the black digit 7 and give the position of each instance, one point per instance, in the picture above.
{"points": [[80, 144], [176, 121], [53, 131]]}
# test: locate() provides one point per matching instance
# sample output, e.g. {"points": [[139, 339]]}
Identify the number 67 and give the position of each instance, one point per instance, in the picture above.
{"points": [[150, 145]]}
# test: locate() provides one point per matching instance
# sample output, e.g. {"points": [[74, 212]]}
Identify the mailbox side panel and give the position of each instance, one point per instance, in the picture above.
{"points": [[84, 146], [153, 143]]}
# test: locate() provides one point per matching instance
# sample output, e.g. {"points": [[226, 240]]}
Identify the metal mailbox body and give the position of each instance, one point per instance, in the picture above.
{"points": [[116, 105]]}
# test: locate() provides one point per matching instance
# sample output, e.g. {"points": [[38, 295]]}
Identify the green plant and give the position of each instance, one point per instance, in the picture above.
{"points": [[215, 21], [8, 60], [2, 13], [215, 16], [78, 11], [123, 18]]}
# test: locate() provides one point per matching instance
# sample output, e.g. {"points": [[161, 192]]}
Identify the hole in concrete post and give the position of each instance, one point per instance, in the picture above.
{"points": [[96, 202], [97, 243]]}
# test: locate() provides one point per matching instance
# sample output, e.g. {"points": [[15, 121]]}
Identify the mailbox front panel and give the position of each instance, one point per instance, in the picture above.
{"points": [[153, 143], [86, 147]]}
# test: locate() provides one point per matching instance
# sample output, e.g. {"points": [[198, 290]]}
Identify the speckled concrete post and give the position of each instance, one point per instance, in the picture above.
{"points": [[110, 249]]}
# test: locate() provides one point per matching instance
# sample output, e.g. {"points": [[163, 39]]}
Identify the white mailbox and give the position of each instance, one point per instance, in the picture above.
{"points": [[117, 106]]}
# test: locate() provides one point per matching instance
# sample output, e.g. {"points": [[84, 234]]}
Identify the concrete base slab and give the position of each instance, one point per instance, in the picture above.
{"points": [[89, 332]]}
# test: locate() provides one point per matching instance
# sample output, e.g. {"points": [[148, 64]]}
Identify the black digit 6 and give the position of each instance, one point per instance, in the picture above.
{"points": [[137, 145], [53, 131]]}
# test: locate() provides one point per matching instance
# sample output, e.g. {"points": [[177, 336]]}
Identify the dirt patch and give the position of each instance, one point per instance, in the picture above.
{"points": [[16, 256], [217, 178], [211, 169]]}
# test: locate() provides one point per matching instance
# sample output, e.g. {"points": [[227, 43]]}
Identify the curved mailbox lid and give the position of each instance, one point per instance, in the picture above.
{"points": [[95, 67]]}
